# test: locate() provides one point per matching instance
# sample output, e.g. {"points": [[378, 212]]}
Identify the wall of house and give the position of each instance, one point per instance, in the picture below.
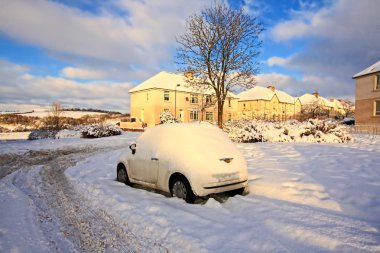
{"points": [[365, 96], [147, 105], [269, 110]]}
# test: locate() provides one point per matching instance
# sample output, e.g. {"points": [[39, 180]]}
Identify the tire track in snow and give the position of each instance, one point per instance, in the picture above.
{"points": [[68, 220]]}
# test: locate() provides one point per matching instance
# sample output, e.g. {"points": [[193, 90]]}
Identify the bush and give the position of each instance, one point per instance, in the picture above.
{"points": [[313, 130], [166, 117], [99, 130], [42, 134]]}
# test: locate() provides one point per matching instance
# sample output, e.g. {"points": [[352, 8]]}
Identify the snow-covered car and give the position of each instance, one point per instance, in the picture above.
{"points": [[185, 160]]}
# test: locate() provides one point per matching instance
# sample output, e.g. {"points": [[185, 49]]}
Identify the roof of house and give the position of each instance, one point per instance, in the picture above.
{"points": [[308, 98], [169, 81], [371, 69], [263, 93]]}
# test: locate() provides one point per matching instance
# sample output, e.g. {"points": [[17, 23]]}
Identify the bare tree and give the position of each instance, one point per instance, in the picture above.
{"points": [[348, 107], [314, 110], [55, 115], [220, 49]]}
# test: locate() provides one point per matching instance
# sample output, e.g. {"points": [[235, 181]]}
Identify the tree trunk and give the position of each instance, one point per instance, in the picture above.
{"points": [[220, 114]]}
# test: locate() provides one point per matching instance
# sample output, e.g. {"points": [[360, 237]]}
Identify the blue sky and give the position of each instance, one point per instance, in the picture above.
{"points": [[90, 53]]}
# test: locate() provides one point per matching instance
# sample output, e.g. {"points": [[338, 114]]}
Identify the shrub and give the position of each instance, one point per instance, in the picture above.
{"points": [[100, 130], [166, 117], [313, 130], [42, 134]]}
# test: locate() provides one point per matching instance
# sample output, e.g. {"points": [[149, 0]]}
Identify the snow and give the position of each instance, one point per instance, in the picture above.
{"points": [[263, 93], [308, 98], [71, 114], [313, 130], [169, 81], [371, 69], [303, 198]]}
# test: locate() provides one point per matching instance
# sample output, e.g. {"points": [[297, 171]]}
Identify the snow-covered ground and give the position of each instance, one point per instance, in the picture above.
{"points": [[303, 198], [71, 114]]}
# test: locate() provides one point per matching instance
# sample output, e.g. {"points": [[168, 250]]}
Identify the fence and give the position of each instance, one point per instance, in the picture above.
{"points": [[366, 129]]}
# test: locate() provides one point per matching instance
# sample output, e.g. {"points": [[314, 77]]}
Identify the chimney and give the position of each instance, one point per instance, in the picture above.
{"points": [[189, 75], [315, 93], [332, 100], [272, 88]]}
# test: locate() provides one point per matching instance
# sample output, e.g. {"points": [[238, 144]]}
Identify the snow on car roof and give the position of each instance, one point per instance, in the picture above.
{"points": [[203, 142]]}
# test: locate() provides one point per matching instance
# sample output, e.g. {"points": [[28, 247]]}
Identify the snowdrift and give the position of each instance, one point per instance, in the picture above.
{"points": [[311, 131]]}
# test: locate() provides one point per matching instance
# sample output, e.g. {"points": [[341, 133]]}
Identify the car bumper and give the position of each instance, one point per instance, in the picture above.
{"points": [[221, 187]]}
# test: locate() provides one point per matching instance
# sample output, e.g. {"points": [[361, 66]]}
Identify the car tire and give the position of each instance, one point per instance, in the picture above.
{"points": [[122, 175], [180, 188], [240, 191]]}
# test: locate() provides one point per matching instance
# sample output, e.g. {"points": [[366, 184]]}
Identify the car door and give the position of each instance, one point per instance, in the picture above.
{"points": [[144, 166]]}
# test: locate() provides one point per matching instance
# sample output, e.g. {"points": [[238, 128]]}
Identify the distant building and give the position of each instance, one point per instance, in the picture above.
{"points": [[169, 92], [316, 106], [367, 99], [267, 103]]}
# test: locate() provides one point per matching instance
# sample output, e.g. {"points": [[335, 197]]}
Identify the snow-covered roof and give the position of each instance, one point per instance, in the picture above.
{"points": [[264, 93], [371, 69], [308, 98], [169, 81]]}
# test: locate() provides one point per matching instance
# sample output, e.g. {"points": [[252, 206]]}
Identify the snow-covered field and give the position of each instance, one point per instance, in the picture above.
{"points": [[303, 198]]}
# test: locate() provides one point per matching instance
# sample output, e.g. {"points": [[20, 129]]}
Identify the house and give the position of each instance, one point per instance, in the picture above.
{"points": [[367, 99], [167, 91], [267, 103], [316, 106]]}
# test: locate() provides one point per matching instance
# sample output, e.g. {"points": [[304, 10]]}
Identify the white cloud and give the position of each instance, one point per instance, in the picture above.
{"points": [[18, 86], [79, 73], [144, 37], [341, 40], [308, 84], [276, 61]]}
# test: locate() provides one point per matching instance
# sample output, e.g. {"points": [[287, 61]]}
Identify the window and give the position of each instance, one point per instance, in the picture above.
{"points": [[194, 99], [147, 97], [244, 106], [166, 95], [193, 115], [166, 110], [209, 116], [377, 83], [208, 99], [229, 102], [229, 116], [377, 108]]}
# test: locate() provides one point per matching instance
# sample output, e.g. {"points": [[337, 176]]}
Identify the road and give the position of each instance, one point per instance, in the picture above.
{"points": [[68, 220]]}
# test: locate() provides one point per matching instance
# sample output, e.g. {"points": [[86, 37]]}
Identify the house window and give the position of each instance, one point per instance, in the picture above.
{"points": [[208, 99], [166, 110], [229, 116], [244, 106], [377, 83], [377, 108], [147, 97], [209, 116], [166, 95], [229, 102], [193, 115], [194, 99]]}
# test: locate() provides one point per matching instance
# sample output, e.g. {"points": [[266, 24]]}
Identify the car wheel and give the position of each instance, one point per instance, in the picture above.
{"points": [[122, 175], [235, 192], [181, 188]]}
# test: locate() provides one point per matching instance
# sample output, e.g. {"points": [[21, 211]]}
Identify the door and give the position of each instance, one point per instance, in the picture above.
{"points": [[182, 115], [143, 166]]}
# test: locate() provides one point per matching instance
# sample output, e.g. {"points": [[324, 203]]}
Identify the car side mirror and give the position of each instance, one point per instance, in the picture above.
{"points": [[133, 148]]}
